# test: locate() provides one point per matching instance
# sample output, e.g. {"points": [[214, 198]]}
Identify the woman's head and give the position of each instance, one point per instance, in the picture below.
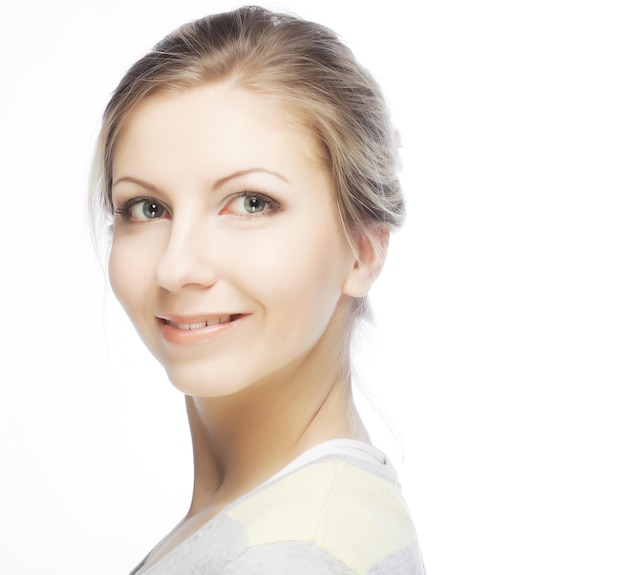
{"points": [[266, 75]]}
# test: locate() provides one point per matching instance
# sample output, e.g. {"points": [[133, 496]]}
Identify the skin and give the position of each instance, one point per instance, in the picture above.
{"points": [[272, 379]]}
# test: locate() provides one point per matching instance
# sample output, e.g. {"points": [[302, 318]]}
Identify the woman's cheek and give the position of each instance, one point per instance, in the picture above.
{"points": [[277, 263], [129, 271]]}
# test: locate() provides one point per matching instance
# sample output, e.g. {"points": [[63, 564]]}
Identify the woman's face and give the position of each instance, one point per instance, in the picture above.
{"points": [[227, 252]]}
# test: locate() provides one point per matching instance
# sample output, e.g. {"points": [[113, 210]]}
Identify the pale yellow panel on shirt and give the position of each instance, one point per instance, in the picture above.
{"points": [[365, 520], [357, 516], [289, 509]]}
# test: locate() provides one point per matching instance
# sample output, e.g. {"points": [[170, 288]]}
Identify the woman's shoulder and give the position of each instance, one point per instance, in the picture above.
{"points": [[344, 508]]}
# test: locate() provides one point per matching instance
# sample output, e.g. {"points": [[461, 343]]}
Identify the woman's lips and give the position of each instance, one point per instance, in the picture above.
{"points": [[198, 324], [197, 329]]}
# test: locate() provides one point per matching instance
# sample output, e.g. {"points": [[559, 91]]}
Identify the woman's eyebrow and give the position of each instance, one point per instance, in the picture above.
{"points": [[137, 181], [241, 173]]}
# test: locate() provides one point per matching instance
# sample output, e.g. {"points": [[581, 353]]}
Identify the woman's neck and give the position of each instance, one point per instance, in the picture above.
{"points": [[241, 440]]}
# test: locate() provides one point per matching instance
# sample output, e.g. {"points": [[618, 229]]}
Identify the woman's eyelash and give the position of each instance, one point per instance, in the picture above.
{"points": [[124, 211], [270, 203]]}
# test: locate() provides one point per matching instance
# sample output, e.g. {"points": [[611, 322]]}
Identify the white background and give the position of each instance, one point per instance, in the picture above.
{"points": [[499, 349]]}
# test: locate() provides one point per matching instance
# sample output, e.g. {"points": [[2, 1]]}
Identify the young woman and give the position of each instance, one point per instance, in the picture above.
{"points": [[249, 167]]}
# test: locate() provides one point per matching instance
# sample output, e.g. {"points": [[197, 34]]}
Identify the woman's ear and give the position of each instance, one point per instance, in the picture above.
{"points": [[369, 257]]}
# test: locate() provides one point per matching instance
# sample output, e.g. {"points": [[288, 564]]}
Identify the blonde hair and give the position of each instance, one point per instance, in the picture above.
{"points": [[300, 64]]}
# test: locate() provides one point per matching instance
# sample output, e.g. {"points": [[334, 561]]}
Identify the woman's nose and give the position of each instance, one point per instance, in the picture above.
{"points": [[186, 258]]}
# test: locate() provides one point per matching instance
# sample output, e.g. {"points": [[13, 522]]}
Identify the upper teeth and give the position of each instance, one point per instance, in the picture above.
{"points": [[200, 324]]}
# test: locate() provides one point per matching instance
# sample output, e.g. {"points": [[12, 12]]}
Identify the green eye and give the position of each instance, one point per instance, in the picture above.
{"points": [[147, 210], [254, 204], [250, 204]]}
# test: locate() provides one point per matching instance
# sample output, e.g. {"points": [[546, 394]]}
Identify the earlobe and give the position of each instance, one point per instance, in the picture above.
{"points": [[369, 257]]}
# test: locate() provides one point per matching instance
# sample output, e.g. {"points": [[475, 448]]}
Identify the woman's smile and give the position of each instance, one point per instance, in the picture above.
{"points": [[197, 329]]}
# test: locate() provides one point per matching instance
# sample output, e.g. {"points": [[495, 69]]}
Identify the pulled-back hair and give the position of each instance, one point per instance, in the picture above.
{"points": [[299, 64]]}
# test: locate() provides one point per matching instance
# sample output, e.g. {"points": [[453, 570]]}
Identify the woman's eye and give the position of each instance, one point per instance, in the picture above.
{"points": [[147, 209], [251, 204], [141, 209], [254, 204]]}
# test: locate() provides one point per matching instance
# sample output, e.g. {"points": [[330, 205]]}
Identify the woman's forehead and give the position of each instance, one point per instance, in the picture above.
{"points": [[225, 111]]}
